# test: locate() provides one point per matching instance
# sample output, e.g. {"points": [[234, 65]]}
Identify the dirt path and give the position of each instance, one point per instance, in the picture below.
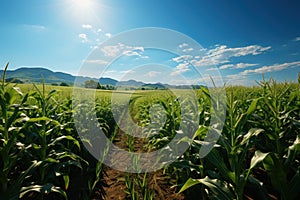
{"points": [[115, 180]]}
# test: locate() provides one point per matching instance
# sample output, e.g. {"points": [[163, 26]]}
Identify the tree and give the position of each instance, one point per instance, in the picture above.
{"points": [[64, 84], [13, 80], [91, 84]]}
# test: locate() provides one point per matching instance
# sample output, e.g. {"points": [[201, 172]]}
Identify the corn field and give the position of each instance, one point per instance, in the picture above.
{"points": [[256, 157]]}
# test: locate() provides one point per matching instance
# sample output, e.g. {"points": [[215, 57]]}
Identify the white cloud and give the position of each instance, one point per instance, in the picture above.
{"points": [[297, 39], [111, 51], [180, 68], [245, 65], [134, 51], [182, 58], [136, 48], [83, 37], [271, 68], [100, 62], [184, 48], [242, 78], [86, 26], [237, 66], [131, 53], [183, 45], [152, 73], [35, 27], [114, 50], [227, 66], [222, 54], [94, 47], [108, 35], [95, 35], [188, 49]]}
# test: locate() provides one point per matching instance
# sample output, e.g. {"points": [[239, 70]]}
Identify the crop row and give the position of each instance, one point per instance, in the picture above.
{"points": [[256, 155]]}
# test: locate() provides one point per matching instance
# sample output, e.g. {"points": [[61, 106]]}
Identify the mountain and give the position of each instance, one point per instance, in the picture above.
{"points": [[155, 86], [130, 83], [108, 81], [35, 75]]}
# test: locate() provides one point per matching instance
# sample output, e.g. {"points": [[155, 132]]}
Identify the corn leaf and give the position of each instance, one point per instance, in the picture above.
{"points": [[257, 158]]}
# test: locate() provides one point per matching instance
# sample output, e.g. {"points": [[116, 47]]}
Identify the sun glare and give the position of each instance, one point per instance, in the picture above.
{"points": [[83, 5], [83, 9]]}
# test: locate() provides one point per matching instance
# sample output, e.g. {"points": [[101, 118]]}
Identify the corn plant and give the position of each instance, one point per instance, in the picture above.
{"points": [[86, 118], [224, 171], [49, 147], [281, 139], [43, 157], [11, 150]]}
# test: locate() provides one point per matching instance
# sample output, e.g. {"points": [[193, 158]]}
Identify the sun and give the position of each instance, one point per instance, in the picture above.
{"points": [[83, 5], [78, 12], [83, 9]]}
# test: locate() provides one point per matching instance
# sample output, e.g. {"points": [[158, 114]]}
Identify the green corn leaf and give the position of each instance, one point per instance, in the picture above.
{"points": [[65, 137], [257, 158], [25, 97], [50, 94], [202, 130], [4, 74], [218, 161], [43, 189], [293, 151], [189, 183], [51, 160], [43, 119], [32, 167], [17, 89], [67, 181], [38, 90], [273, 165], [216, 186], [252, 132], [187, 164], [252, 106]]}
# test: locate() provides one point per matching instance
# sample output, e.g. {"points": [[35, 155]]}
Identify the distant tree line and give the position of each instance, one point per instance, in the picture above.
{"points": [[13, 80], [97, 85], [61, 84]]}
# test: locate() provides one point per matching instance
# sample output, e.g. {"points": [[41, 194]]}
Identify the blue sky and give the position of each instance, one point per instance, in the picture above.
{"points": [[241, 39]]}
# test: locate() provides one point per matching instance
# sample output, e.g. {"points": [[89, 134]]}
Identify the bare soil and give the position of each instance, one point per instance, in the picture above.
{"points": [[115, 180]]}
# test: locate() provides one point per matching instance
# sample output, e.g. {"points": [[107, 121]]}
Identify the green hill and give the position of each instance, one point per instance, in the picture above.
{"points": [[35, 75]]}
